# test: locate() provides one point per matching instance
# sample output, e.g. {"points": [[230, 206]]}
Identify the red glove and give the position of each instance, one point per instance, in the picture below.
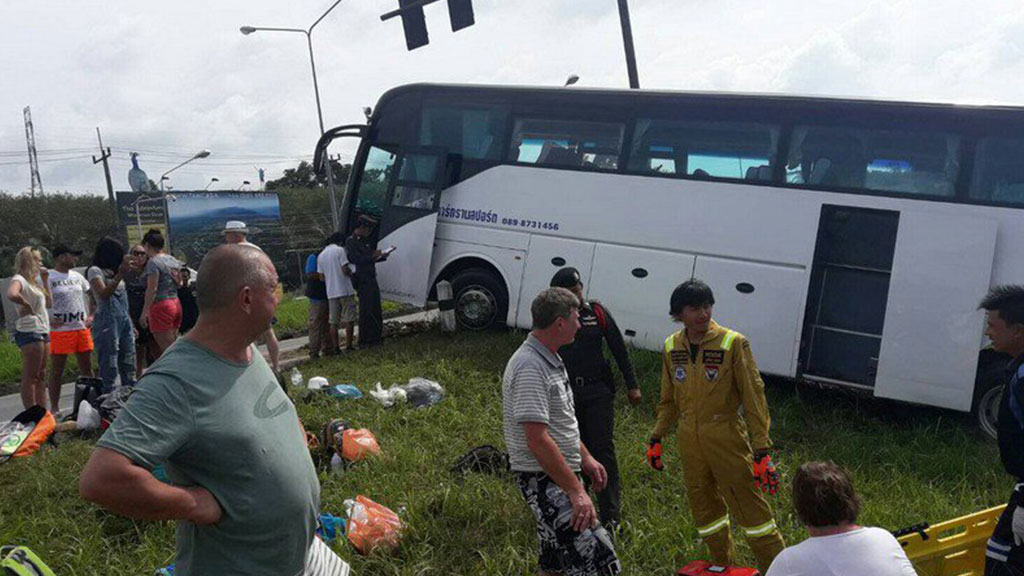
{"points": [[765, 476], [654, 454]]}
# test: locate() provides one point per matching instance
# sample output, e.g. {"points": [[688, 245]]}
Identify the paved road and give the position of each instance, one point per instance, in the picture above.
{"points": [[10, 406]]}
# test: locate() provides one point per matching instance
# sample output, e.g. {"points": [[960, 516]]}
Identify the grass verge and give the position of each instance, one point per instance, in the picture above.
{"points": [[909, 464]]}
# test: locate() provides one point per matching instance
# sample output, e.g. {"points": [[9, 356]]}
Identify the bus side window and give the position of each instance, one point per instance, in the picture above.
{"points": [[704, 150], [999, 171], [918, 163], [565, 143]]}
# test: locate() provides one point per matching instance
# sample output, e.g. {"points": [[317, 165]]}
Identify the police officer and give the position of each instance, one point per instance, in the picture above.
{"points": [[593, 386], [1004, 553], [360, 253], [710, 386]]}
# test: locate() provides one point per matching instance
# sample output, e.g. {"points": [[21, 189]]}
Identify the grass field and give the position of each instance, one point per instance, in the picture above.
{"points": [[292, 321], [910, 465]]}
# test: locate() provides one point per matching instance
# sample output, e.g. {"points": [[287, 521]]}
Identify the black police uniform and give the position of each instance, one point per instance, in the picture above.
{"points": [[371, 318], [1003, 557], [594, 390]]}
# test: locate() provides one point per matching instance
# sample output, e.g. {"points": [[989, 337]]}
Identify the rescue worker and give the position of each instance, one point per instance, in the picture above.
{"points": [[360, 253], [1004, 554], [708, 378], [593, 386]]}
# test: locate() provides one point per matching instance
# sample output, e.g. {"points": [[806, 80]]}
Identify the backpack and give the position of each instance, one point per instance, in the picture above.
{"points": [[88, 389], [485, 459], [20, 561], [26, 433]]}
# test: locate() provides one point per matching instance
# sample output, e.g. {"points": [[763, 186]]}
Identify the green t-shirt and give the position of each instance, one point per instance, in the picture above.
{"points": [[230, 429]]}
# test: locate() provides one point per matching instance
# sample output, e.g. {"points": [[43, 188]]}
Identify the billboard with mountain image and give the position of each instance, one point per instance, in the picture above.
{"points": [[197, 219]]}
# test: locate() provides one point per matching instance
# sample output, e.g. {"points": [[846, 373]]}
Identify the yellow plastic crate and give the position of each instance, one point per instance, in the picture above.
{"points": [[954, 547]]}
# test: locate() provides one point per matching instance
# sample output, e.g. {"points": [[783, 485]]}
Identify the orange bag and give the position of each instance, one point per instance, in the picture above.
{"points": [[358, 444], [20, 444], [372, 526]]}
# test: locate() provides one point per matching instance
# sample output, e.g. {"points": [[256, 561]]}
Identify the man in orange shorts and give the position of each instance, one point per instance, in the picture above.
{"points": [[70, 319]]}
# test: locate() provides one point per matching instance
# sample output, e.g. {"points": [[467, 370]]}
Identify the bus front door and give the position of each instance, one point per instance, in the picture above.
{"points": [[408, 223], [941, 269]]}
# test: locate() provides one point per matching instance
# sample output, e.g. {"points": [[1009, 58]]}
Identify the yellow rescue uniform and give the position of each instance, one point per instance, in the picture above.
{"points": [[706, 394]]}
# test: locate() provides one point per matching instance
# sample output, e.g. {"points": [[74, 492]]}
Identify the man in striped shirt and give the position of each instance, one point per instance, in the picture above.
{"points": [[545, 452]]}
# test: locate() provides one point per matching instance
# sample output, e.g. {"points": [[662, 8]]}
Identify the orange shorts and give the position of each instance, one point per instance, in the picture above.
{"points": [[70, 342]]}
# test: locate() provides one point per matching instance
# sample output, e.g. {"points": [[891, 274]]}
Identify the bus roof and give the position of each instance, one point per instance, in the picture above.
{"points": [[661, 97]]}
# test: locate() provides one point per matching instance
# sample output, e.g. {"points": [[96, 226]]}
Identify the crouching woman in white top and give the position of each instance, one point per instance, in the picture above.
{"points": [[827, 505], [29, 290]]}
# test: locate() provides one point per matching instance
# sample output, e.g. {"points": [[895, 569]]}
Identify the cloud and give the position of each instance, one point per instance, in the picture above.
{"points": [[170, 78]]}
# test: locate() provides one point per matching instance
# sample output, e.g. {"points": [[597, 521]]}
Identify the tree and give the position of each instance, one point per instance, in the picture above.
{"points": [[303, 176]]}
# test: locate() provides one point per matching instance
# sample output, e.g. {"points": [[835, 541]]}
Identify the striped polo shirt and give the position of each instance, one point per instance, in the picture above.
{"points": [[535, 388]]}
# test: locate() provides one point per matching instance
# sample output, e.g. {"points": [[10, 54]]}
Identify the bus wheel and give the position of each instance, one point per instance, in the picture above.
{"points": [[481, 300], [986, 409], [988, 390]]}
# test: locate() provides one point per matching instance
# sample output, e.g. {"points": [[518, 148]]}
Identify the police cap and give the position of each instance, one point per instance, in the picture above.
{"points": [[567, 277]]}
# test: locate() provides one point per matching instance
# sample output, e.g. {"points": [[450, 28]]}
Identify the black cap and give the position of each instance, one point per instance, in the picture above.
{"points": [[366, 220], [693, 292], [64, 249], [567, 277]]}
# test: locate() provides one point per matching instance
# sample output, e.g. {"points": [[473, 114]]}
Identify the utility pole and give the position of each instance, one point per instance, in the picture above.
{"points": [[33, 158], [104, 154], [627, 42]]}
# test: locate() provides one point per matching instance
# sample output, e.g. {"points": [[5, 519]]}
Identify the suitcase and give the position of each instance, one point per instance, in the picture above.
{"points": [[704, 568]]}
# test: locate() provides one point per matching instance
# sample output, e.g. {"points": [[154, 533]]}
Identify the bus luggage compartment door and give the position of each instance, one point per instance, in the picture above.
{"points": [[941, 269], [636, 285], [545, 256]]}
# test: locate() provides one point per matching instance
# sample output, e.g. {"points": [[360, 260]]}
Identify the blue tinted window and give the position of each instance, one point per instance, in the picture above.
{"points": [[704, 149], [999, 171], [473, 133]]}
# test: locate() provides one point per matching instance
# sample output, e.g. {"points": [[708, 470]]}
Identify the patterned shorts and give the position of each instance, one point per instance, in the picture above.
{"points": [[563, 549]]}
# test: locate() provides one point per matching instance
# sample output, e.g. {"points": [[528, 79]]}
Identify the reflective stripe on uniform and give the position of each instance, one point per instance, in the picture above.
{"points": [[713, 527], [997, 551], [727, 341], [758, 531], [668, 343]]}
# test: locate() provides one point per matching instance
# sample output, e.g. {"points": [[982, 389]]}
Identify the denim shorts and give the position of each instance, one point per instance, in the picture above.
{"points": [[25, 338]]}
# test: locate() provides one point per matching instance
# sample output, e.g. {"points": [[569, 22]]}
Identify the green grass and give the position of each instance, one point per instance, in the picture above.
{"points": [[293, 315], [910, 465]]}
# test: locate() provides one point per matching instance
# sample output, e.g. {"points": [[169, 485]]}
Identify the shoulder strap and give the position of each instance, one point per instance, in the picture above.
{"points": [[602, 320]]}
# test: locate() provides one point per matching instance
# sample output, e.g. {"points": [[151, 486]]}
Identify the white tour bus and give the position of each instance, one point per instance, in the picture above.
{"points": [[849, 240]]}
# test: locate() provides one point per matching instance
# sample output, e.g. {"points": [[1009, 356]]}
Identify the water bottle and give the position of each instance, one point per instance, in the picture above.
{"points": [[296, 377]]}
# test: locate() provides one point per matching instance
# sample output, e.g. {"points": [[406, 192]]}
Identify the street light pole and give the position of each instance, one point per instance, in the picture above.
{"points": [[627, 44], [200, 154], [246, 30]]}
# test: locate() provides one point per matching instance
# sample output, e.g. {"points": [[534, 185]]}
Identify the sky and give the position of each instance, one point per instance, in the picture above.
{"points": [[169, 79]]}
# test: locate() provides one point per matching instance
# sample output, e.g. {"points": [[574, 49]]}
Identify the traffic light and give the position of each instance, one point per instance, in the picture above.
{"points": [[461, 14], [414, 24]]}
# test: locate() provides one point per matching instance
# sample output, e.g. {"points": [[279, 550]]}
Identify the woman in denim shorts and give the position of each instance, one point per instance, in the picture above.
{"points": [[29, 290]]}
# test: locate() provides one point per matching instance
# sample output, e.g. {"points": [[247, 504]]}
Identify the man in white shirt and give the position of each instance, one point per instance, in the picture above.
{"points": [[827, 505], [70, 319], [341, 295]]}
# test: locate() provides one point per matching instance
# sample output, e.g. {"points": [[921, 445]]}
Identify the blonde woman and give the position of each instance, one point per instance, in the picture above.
{"points": [[29, 290]]}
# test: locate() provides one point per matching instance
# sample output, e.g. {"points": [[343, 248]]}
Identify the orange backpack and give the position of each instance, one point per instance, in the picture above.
{"points": [[36, 427]]}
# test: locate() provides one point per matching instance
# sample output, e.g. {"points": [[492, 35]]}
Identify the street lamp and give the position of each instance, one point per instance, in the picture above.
{"points": [[212, 180], [244, 184], [246, 30], [572, 79], [199, 155]]}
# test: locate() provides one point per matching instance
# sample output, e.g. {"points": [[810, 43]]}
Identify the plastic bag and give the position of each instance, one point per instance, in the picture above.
{"points": [[296, 377], [316, 383], [329, 527], [343, 391], [419, 392], [358, 444], [422, 392], [372, 526]]}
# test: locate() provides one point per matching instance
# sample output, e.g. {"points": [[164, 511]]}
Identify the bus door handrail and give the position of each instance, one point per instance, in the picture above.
{"points": [[320, 154]]}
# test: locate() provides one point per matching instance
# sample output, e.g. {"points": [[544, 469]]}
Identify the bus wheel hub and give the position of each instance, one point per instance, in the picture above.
{"points": [[475, 307]]}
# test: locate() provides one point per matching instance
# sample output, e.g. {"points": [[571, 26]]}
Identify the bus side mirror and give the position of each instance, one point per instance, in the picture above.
{"points": [[320, 154]]}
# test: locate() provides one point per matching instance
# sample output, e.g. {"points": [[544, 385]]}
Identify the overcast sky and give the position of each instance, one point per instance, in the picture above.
{"points": [[170, 78]]}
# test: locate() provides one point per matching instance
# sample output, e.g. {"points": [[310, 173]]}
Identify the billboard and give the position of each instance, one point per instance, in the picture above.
{"points": [[193, 221]]}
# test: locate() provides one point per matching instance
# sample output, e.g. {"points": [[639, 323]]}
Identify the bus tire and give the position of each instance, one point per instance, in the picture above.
{"points": [[481, 299], [988, 390]]}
